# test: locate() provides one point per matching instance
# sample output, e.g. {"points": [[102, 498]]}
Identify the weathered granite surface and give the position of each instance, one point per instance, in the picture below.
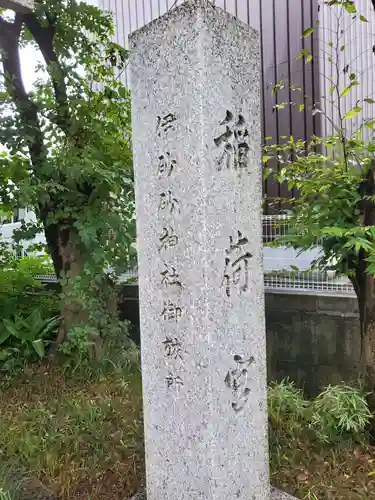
{"points": [[17, 5], [275, 495], [196, 129]]}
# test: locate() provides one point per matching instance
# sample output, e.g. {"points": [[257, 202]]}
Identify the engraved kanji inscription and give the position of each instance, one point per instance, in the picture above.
{"points": [[174, 381], [171, 312], [170, 277], [168, 202], [168, 239], [237, 381], [166, 164], [233, 143], [236, 271], [165, 123], [172, 347]]}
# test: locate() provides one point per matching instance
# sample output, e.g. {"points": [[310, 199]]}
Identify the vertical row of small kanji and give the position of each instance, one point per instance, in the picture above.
{"points": [[169, 207]]}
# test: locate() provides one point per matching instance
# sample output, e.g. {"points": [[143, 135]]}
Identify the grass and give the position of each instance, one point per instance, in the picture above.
{"points": [[80, 435], [309, 470], [319, 449]]}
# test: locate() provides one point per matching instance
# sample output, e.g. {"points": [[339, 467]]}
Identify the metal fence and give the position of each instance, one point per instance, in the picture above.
{"points": [[279, 274]]}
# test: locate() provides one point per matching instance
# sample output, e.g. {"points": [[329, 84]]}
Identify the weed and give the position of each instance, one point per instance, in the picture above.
{"points": [[340, 411], [10, 482]]}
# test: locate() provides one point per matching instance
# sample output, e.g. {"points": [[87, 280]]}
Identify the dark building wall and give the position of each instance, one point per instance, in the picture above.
{"points": [[313, 340]]}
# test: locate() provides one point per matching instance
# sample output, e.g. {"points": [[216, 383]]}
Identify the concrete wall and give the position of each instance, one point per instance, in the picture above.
{"points": [[314, 340]]}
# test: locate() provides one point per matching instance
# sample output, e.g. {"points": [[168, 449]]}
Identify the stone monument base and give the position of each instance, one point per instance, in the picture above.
{"points": [[275, 495]]}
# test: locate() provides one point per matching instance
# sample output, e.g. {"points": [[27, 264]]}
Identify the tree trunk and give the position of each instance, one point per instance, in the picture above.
{"points": [[364, 285], [68, 262], [366, 302]]}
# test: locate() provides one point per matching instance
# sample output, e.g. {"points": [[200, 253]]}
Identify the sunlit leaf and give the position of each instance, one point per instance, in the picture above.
{"points": [[352, 113], [362, 18], [266, 159], [301, 107], [350, 7]]}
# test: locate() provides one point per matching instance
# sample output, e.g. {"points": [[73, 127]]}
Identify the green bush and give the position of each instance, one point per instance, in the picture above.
{"points": [[27, 310], [24, 338], [20, 291], [340, 411], [287, 408]]}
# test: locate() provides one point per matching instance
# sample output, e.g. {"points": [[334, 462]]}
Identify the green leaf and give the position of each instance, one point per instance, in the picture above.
{"points": [[369, 100], [333, 231], [308, 32], [348, 88], [301, 107], [342, 48], [352, 76], [362, 18], [4, 354], [350, 7], [346, 91], [266, 173], [352, 113], [331, 89], [38, 346], [4, 335], [12, 329], [309, 58], [266, 159], [330, 44]]}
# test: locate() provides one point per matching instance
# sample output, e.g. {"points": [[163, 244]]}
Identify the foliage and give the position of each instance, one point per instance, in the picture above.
{"points": [[340, 411], [20, 290], [333, 176], [24, 337], [286, 406], [312, 455], [68, 150]]}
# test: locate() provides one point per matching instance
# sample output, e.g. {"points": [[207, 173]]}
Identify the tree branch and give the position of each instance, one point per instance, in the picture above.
{"points": [[9, 46], [44, 35]]}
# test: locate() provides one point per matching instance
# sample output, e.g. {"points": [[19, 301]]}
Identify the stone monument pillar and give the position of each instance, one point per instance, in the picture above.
{"points": [[197, 162], [17, 5]]}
